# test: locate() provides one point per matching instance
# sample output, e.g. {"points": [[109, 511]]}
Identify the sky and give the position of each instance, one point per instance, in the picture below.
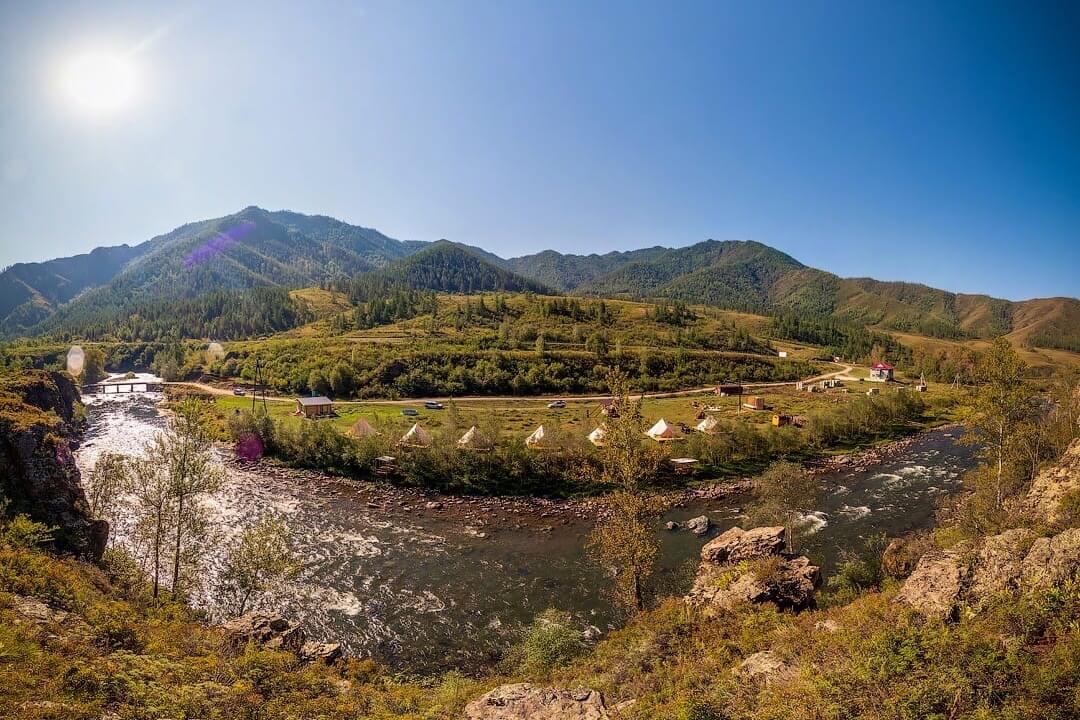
{"points": [[929, 142]]}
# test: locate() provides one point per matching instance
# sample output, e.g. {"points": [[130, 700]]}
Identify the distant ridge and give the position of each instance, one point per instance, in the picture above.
{"points": [[260, 248]]}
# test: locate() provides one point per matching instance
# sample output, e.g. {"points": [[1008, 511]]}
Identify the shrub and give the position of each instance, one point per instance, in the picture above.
{"points": [[551, 641]]}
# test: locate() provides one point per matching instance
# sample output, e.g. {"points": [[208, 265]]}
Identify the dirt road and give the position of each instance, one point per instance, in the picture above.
{"points": [[212, 390]]}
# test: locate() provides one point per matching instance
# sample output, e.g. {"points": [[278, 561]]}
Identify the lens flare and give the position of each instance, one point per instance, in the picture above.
{"points": [[75, 360], [218, 244]]}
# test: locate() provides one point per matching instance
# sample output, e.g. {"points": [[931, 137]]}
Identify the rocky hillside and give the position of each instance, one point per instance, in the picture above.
{"points": [[38, 477]]}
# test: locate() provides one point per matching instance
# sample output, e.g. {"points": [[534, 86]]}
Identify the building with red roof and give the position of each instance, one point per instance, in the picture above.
{"points": [[881, 371]]}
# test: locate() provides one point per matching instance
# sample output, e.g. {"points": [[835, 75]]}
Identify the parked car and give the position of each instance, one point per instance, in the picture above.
{"points": [[433, 405], [409, 412], [556, 404], [239, 391]]}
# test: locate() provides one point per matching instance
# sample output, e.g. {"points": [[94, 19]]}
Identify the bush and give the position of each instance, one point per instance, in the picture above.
{"points": [[551, 641], [21, 532]]}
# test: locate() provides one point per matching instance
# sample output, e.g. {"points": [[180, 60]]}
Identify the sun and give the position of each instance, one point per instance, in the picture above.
{"points": [[99, 82]]}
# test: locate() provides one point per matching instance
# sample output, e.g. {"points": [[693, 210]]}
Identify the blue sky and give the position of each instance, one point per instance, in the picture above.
{"points": [[931, 142]]}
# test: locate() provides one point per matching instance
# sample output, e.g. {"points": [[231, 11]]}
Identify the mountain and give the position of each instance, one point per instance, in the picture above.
{"points": [[252, 248], [750, 276], [261, 248], [30, 291], [444, 266]]}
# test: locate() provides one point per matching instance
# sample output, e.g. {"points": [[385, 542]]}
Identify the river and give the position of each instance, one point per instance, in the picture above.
{"points": [[419, 587]]}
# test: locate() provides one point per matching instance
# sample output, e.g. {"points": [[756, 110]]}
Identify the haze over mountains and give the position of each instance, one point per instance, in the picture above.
{"points": [[258, 248]]}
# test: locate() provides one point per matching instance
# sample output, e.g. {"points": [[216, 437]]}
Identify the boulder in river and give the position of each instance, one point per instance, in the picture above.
{"points": [[522, 701], [699, 525]]}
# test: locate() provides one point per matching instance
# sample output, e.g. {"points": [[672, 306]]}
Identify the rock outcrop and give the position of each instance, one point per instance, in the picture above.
{"points": [[1051, 560], [737, 544], [522, 701], [1043, 501], [998, 564], [274, 632], [749, 566], [1015, 560], [38, 475], [767, 668], [935, 586]]}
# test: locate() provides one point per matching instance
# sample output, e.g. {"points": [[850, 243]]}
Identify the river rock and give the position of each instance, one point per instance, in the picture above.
{"points": [[1043, 501], [998, 564], [522, 701], [312, 651], [269, 630], [672, 525], [766, 667], [736, 545], [935, 586], [699, 525], [1052, 561]]}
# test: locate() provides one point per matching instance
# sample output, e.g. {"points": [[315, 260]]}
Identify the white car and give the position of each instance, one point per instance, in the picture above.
{"points": [[556, 404]]}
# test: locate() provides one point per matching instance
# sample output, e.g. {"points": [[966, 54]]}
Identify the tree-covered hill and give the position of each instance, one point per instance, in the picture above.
{"points": [[448, 267], [252, 248]]}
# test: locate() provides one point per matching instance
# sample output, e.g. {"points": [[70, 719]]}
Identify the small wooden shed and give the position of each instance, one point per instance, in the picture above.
{"points": [[316, 406], [754, 402]]}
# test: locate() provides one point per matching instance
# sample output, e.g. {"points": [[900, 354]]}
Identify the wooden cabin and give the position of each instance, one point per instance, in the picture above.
{"points": [[312, 407], [729, 389]]}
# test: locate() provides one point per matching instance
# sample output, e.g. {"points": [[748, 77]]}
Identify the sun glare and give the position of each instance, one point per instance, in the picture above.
{"points": [[99, 83]]}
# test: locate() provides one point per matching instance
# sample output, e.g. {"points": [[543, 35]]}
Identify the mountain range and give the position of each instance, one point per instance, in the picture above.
{"points": [[257, 248]]}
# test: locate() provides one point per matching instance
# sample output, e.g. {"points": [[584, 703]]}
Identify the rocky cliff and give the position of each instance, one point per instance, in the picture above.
{"points": [[38, 476]]}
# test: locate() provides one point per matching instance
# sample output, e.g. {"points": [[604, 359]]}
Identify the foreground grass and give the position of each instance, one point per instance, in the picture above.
{"points": [[121, 652]]}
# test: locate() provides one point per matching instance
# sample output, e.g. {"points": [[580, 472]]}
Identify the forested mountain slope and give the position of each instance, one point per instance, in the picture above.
{"points": [[252, 248], [260, 248], [750, 276]]}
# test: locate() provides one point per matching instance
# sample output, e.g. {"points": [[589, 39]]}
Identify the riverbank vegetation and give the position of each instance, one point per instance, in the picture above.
{"points": [[738, 445]]}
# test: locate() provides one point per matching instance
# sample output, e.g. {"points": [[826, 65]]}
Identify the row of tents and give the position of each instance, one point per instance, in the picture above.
{"points": [[539, 439]]}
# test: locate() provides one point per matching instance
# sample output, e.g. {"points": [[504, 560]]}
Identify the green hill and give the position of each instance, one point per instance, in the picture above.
{"points": [[448, 267]]}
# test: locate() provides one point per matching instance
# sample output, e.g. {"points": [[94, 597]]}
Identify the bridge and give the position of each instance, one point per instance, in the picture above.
{"points": [[123, 386]]}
